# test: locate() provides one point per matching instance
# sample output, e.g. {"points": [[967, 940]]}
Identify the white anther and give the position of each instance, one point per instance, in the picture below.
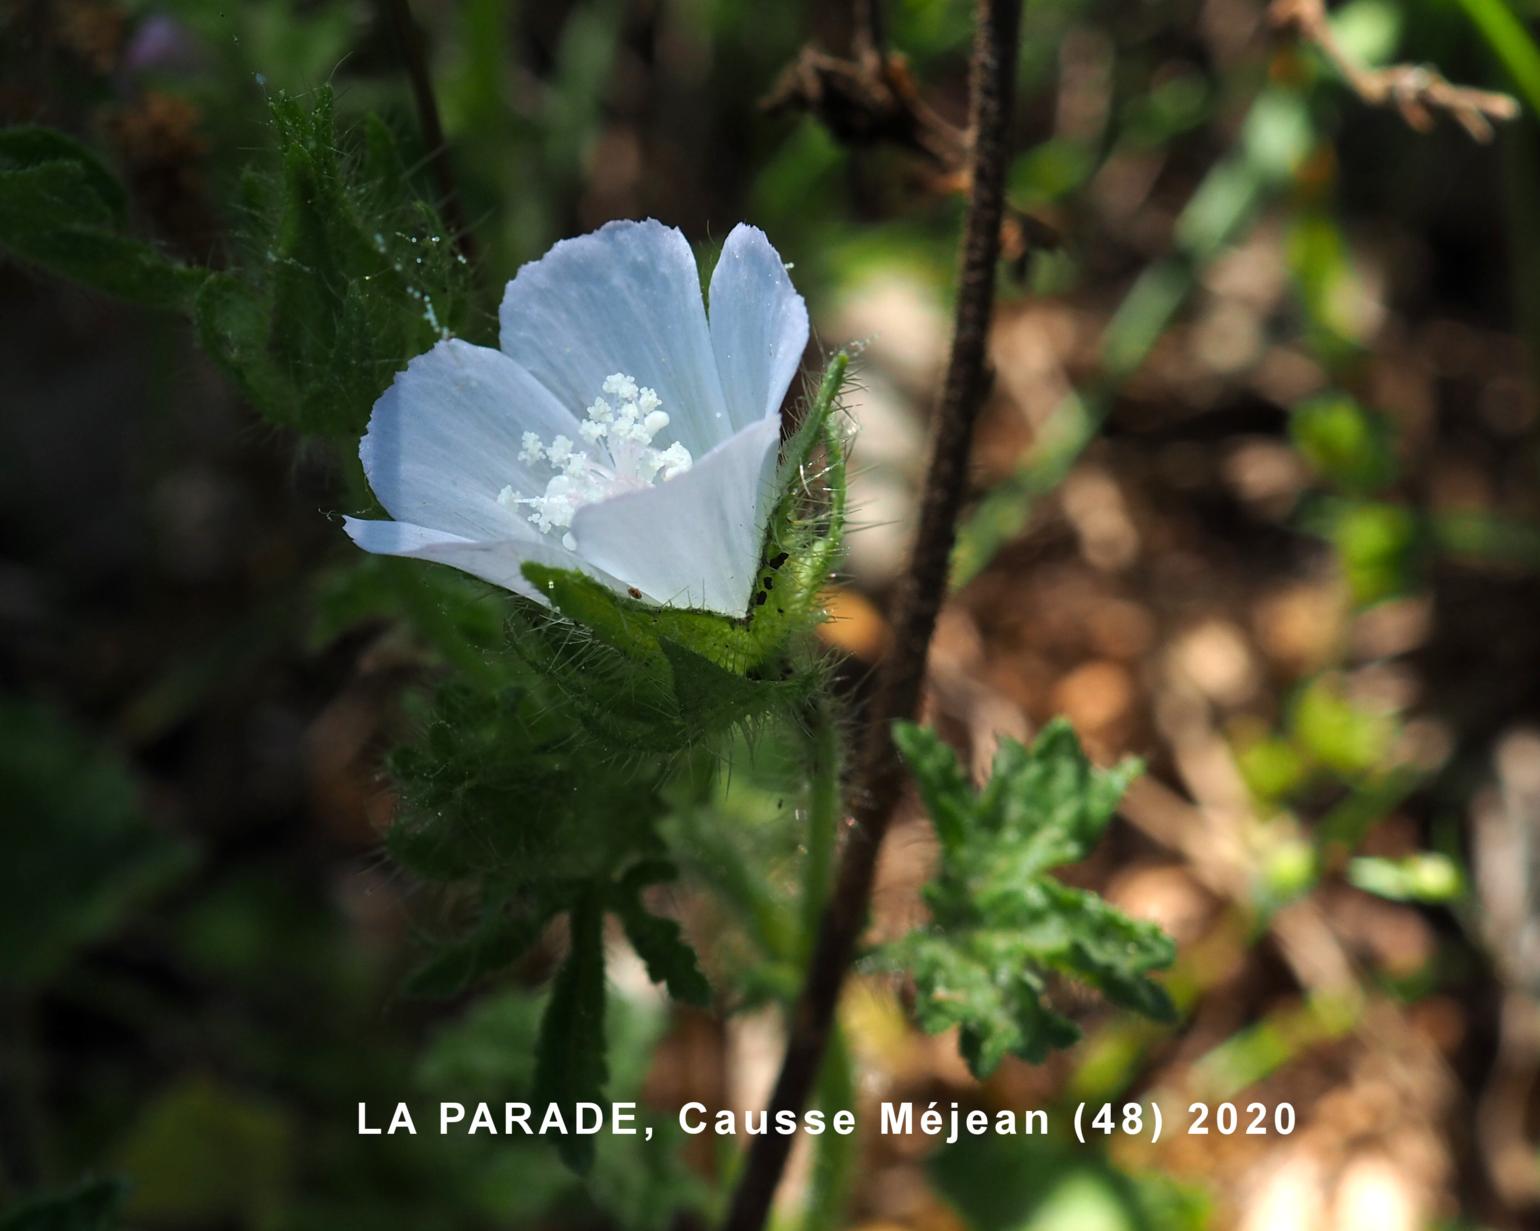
{"points": [[616, 457]]}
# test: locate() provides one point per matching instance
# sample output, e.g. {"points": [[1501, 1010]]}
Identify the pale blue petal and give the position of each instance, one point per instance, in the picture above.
{"points": [[497, 561], [694, 540], [624, 299], [758, 326], [444, 441]]}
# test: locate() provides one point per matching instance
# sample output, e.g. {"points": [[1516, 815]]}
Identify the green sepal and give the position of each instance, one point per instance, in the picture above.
{"points": [[647, 678]]}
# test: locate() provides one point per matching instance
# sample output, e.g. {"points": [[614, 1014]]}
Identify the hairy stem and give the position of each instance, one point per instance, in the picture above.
{"points": [[823, 818], [878, 777]]}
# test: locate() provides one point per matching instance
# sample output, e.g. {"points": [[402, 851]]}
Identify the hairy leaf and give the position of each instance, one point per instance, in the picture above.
{"points": [[660, 942], [1001, 923], [647, 678], [344, 276], [506, 930], [570, 1065]]}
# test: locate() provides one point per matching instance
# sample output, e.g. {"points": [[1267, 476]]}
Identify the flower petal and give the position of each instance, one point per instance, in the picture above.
{"points": [[625, 298], [758, 325], [444, 441], [497, 561], [693, 540]]}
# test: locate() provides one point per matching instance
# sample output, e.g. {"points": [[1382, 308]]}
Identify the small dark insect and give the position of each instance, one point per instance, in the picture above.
{"points": [[779, 560], [633, 592]]}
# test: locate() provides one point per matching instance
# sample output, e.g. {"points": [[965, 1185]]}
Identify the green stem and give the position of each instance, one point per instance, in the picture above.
{"points": [[834, 1156], [823, 811]]}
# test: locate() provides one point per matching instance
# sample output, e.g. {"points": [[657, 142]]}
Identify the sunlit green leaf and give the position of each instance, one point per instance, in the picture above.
{"points": [[1000, 924], [1424, 877]]}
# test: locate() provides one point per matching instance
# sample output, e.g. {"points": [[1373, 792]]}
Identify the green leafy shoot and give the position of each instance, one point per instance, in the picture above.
{"points": [[1001, 925], [640, 697], [344, 275]]}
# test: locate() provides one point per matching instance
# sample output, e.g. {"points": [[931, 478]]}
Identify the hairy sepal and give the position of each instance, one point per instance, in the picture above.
{"points": [[648, 678]]}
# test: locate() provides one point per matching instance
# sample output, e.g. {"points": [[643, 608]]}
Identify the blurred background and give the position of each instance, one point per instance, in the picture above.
{"points": [[1256, 500]]}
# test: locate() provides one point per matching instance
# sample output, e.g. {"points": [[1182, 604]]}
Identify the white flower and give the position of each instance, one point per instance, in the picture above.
{"points": [[616, 430]]}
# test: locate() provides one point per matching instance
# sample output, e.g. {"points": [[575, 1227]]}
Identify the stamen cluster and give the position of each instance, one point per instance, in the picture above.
{"points": [[616, 456]]}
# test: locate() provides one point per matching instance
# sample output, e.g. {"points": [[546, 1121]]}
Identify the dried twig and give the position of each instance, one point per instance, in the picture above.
{"points": [[1415, 90], [877, 780], [869, 100]]}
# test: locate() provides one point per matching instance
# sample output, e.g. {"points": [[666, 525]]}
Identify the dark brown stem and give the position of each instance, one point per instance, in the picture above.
{"points": [[870, 37], [414, 57], [877, 780]]}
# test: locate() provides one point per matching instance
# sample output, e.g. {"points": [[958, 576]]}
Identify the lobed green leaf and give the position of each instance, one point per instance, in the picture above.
{"points": [[659, 942], [1001, 924]]}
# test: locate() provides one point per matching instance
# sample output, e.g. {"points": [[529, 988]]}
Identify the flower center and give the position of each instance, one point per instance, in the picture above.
{"points": [[615, 456]]}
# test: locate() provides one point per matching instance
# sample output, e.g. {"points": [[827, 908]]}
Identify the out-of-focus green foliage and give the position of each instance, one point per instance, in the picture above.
{"points": [[1001, 924], [204, 1153], [61, 209], [91, 1205], [1337, 734], [1346, 443], [1039, 1184], [1379, 546], [1271, 144], [1424, 877], [80, 855], [1513, 45]]}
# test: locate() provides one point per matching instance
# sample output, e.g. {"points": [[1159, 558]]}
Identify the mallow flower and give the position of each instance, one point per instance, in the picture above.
{"points": [[618, 429]]}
